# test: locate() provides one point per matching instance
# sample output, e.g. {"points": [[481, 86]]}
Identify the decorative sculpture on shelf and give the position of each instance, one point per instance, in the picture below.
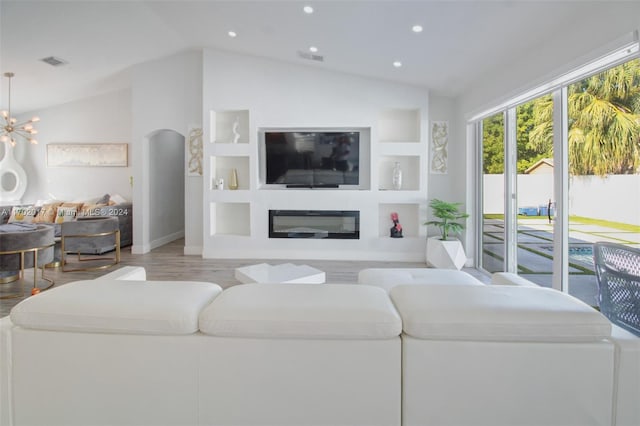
{"points": [[234, 129], [397, 176], [396, 229], [233, 179]]}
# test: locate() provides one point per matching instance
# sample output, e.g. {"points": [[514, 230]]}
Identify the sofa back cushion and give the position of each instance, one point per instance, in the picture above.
{"points": [[497, 313], [118, 306], [326, 311]]}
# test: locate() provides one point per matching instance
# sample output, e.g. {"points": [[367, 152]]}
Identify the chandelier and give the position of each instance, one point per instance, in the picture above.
{"points": [[11, 128]]}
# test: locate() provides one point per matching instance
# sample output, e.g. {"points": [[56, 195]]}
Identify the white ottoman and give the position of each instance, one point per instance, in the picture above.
{"points": [[387, 278], [288, 354], [503, 355]]}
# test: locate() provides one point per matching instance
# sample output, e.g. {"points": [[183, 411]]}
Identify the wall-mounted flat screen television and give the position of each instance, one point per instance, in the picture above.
{"points": [[315, 159]]}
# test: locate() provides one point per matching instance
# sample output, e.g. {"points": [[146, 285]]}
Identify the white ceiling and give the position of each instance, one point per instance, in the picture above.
{"points": [[102, 39]]}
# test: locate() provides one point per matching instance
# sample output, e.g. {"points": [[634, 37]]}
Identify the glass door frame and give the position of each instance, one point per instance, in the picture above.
{"points": [[558, 88]]}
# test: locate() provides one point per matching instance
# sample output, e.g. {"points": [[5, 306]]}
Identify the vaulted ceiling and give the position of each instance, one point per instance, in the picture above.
{"points": [[460, 40]]}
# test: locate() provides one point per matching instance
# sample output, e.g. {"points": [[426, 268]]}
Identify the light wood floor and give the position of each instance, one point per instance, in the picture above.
{"points": [[169, 263]]}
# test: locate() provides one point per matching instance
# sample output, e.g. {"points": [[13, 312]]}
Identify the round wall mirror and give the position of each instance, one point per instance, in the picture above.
{"points": [[8, 181]]}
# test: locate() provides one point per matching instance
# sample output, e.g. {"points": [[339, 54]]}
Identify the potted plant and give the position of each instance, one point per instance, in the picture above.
{"points": [[444, 251]]}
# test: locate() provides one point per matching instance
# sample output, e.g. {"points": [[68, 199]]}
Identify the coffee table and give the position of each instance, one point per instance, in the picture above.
{"points": [[283, 273]]}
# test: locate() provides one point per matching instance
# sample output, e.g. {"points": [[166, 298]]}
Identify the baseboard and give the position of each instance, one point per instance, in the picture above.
{"points": [[193, 250], [166, 239], [140, 249]]}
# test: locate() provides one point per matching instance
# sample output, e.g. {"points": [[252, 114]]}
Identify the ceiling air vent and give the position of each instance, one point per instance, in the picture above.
{"points": [[310, 56], [53, 61]]}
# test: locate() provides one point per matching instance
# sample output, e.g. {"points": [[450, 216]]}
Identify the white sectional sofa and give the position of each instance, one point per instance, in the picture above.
{"points": [[120, 350]]}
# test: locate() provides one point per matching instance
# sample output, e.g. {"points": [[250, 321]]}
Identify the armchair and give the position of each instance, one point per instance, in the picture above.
{"points": [[96, 235], [618, 276]]}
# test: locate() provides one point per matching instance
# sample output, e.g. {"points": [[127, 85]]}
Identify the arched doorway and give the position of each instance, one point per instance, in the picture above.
{"points": [[166, 187]]}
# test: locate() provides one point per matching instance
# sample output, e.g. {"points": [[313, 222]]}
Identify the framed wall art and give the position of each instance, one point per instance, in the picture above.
{"points": [[439, 158], [194, 152], [87, 154]]}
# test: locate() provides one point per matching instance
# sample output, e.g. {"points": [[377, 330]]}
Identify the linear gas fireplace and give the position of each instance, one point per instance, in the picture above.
{"points": [[332, 224]]}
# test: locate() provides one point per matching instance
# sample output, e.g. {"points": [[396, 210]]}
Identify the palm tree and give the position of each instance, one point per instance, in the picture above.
{"points": [[604, 122]]}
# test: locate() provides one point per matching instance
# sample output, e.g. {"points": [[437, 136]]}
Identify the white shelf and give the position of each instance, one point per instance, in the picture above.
{"points": [[238, 219], [229, 126], [395, 148], [231, 150], [399, 125]]}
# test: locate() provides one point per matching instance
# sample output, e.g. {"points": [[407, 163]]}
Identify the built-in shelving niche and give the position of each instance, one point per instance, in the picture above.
{"points": [[230, 219], [230, 125], [408, 215], [399, 125], [410, 166], [222, 166]]}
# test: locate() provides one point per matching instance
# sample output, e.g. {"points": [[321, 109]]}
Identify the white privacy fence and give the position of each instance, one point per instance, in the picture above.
{"points": [[615, 197]]}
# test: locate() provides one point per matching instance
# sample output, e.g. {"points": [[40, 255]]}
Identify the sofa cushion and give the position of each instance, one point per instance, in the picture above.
{"points": [[330, 311], [65, 214], [388, 278], [497, 313], [116, 306], [47, 213], [90, 210], [22, 214]]}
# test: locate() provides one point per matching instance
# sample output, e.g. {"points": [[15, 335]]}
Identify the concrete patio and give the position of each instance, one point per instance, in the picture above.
{"points": [[535, 252]]}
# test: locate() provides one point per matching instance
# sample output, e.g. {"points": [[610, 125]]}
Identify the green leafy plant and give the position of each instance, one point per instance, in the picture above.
{"points": [[449, 214]]}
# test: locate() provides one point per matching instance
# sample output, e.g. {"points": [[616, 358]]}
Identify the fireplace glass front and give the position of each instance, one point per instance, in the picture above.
{"points": [[331, 224]]}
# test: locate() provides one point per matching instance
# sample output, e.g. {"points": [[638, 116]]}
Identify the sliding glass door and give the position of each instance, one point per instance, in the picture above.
{"points": [[492, 218], [604, 169], [559, 172], [534, 190]]}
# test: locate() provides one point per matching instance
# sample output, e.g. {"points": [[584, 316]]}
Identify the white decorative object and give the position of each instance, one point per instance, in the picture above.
{"points": [[220, 184], [13, 179], [234, 129], [438, 161], [447, 254], [195, 152], [283, 273], [397, 176]]}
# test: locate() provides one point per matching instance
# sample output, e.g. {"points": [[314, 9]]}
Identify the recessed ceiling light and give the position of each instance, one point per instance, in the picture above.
{"points": [[313, 49], [232, 34], [307, 9], [397, 64], [416, 28]]}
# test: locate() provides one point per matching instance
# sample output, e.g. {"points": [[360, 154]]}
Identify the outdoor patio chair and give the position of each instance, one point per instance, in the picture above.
{"points": [[618, 276]]}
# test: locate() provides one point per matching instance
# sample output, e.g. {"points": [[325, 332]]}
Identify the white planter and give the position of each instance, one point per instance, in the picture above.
{"points": [[445, 254]]}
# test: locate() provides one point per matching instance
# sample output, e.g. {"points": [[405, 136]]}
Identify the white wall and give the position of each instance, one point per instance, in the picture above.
{"points": [[100, 119], [279, 94], [449, 187], [166, 187], [166, 94], [615, 198]]}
